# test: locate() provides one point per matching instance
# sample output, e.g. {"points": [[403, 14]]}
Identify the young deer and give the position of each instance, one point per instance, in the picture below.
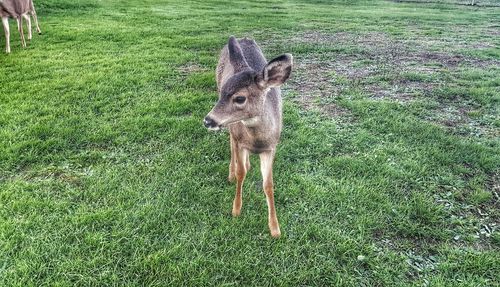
{"points": [[17, 9], [250, 107]]}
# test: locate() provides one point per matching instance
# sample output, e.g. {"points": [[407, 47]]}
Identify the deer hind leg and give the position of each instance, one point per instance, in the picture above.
{"points": [[33, 13], [266, 167], [21, 32], [232, 163], [240, 178], [28, 23], [5, 22]]}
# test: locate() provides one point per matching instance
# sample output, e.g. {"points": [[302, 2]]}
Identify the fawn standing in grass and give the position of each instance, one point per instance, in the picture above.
{"points": [[250, 107], [17, 9]]}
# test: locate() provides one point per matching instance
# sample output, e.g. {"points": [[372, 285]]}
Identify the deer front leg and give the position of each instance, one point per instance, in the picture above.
{"points": [[28, 23], [266, 167], [241, 172], [247, 162], [232, 163], [5, 22]]}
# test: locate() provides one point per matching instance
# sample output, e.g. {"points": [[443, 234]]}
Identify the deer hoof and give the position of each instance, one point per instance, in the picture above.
{"points": [[236, 212], [276, 233]]}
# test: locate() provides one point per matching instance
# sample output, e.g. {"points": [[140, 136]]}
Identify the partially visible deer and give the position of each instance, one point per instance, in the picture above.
{"points": [[17, 9], [250, 107]]}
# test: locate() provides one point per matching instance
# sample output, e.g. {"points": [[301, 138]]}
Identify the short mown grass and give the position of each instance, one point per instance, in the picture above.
{"points": [[387, 173]]}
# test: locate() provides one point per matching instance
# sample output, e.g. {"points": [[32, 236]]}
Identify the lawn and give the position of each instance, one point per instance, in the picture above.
{"points": [[387, 174]]}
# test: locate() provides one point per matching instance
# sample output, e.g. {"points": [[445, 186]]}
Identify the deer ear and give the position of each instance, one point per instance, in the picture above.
{"points": [[276, 72], [236, 57]]}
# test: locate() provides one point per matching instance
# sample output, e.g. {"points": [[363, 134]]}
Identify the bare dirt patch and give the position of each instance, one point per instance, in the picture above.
{"points": [[380, 67], [359, 58], [456, 117], [312, 83]]}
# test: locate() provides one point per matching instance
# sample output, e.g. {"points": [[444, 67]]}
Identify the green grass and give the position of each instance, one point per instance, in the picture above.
{"points": [[107, 176]]}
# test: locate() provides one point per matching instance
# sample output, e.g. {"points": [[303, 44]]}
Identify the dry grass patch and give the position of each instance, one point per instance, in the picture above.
{"points": [[381, 67]]}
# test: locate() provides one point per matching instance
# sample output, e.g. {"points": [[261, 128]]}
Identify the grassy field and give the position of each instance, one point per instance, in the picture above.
{"points": [[387, 173]]}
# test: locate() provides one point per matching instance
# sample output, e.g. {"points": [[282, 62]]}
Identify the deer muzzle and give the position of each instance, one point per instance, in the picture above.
{"points": [[211, 124]]}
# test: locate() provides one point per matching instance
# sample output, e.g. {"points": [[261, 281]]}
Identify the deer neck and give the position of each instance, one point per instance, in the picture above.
{"points": [[263, 125]]}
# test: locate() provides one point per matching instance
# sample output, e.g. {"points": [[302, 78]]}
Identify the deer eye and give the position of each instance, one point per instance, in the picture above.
{"points": [[240, 100]]}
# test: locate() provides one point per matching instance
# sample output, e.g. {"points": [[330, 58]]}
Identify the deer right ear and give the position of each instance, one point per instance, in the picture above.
{"points": [[236, 57], [276, 72]]}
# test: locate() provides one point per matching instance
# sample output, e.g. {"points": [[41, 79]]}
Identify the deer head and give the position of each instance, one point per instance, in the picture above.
{"points": [[243, 95]]}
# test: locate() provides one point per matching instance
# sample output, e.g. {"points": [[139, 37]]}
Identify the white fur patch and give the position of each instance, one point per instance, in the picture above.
{"points": [[251, 122], [217, 128]]}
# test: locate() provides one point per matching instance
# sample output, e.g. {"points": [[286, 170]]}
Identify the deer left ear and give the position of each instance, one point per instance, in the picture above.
{"points": [[277, 71]]}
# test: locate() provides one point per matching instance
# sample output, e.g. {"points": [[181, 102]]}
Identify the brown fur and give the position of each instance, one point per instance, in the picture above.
{"points": [[254, 126]]}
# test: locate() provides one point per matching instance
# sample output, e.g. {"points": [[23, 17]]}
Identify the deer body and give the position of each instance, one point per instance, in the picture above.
{"points": [[250, 107], [17, 9]]}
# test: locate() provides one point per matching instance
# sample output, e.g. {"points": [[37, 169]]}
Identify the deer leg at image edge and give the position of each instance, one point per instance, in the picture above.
{"points": [[5, 22]]}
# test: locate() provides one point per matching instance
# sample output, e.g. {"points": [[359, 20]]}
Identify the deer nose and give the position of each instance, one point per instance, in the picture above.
{"points": [[209, 123]]}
